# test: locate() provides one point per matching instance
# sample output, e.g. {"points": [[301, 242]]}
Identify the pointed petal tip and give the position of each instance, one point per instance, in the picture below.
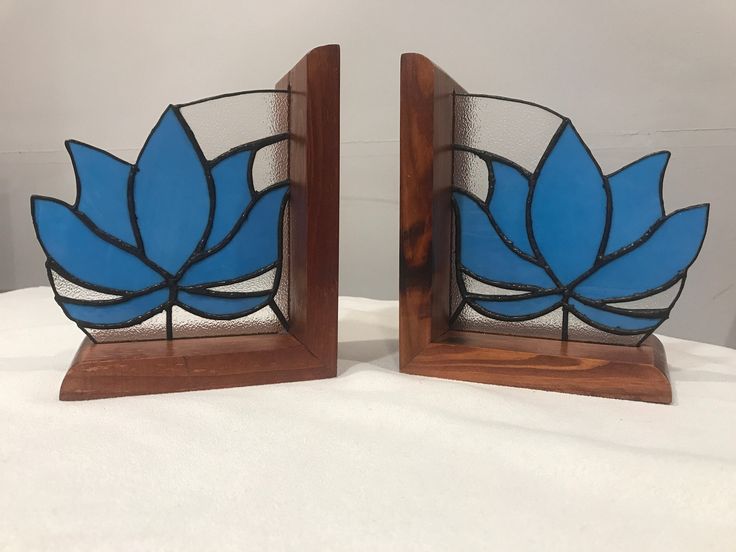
{"points": [[662, 155], [75, 147], [660, 159], [102, 188], [659, 257], [700, 211], [41, 201], [35, 198], [35, 202]]}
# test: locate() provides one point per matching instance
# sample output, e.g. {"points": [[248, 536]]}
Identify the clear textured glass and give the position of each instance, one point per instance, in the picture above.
{"points": [[150, 329], [262, 282], [187, 324], [271, 165], [70, 290], [508, 128], [662, 300], [470, 173], [481, 288], [221, 124], [546, 326]]}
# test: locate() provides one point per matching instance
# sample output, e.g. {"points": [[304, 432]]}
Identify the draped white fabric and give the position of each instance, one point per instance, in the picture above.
{"points": [[371, 460]]}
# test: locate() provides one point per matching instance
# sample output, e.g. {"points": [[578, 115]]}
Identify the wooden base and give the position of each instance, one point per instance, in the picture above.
{"points": [[148, 367], [613, 371]]}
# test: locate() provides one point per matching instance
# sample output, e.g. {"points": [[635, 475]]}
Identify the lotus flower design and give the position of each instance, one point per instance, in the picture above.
{"points": [[566, 236], [172, 229]]}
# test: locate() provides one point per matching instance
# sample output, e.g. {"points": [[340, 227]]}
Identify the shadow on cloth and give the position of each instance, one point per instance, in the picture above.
{"points": [[381, 353]]}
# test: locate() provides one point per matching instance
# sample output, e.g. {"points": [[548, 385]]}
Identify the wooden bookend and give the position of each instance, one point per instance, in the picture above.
{"points": [[309, 349], [427, 346]]}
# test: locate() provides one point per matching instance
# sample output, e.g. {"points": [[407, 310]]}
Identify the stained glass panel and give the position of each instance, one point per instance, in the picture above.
{"points": [[546, 244], [191, 240]]}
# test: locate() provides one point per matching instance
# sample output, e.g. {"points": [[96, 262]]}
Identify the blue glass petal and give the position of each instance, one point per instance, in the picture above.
{"points": [[118, 313], [636, 199], [521, 307], [172, 199], [221, 306], [484, 253], [568, 207], [254, 246], [232, 194], [508, 204], [67, 240], [613, 320], [667, 252], [103, 189]]}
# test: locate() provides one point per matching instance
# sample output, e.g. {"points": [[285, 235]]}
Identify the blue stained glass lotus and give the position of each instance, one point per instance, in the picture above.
{"points": [[186, 241], [546, 244]]}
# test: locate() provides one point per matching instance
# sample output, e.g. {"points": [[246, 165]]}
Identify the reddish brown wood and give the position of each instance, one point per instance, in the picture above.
{"points": [[309, 350], [426, 346], [314, 165], [425, 182], [148, 367], [635, 373]]}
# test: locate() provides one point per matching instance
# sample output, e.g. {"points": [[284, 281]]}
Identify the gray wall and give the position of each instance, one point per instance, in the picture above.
{"points": [[634, 76]]}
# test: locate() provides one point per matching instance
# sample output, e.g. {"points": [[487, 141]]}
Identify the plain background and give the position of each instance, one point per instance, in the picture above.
{"points": [[635, 76]]}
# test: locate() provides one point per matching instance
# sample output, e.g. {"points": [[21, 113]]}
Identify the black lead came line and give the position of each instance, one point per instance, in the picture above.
{"points": [[254, 145], [513, 100], [232, 94]]}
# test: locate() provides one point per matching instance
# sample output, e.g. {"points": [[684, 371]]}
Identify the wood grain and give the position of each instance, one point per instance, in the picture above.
{"points": [[426, 139], [426, 345], [314, 165], [613, 371], [309, 350], [149, 367]]}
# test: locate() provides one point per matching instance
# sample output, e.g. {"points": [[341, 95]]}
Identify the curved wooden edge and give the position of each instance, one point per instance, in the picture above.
{"points": [[612, 371], [108, 370]]}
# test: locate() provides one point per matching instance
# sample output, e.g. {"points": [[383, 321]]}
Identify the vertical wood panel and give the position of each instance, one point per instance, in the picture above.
{"points": [[425, 182], [314, 165]]}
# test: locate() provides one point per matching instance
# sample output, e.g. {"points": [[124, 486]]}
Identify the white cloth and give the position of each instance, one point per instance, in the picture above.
{"points": [[371, 460]]}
